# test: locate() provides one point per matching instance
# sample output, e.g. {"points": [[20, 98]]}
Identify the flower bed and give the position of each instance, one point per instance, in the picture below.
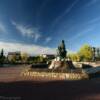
{"points": [[55, 75]]}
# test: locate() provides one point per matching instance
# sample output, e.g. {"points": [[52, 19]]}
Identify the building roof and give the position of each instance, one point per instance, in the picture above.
{"points": [[13, 53]]}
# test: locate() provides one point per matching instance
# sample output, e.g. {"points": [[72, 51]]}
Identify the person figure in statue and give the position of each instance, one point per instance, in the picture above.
{"points": [[61, 50]]}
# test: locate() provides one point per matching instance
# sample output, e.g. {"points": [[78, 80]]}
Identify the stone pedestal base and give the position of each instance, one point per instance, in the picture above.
{"points": [[61, 65]]}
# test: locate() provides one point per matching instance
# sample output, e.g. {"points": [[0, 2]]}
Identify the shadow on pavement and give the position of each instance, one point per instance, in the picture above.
{"points": [[55, 90]]}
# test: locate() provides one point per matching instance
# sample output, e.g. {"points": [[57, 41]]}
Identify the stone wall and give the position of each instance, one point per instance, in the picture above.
{"points": [[55, 76], [93, 64]]}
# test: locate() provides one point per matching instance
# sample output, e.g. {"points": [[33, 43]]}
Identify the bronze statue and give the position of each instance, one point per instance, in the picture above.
{"points": [[61, 52]]}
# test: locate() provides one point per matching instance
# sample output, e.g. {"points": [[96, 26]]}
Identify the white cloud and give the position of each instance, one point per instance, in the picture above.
{"points": [[30, 49], [28, 31], [48, 39], [2, 28]]}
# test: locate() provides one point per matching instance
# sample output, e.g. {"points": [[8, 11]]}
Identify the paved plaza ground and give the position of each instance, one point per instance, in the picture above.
{"points": [[12, 85]]}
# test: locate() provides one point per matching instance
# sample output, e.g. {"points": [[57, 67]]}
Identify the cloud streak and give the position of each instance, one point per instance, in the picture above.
{"points": [[30, 49], [64, 13], [40, 10], [42, 7], [2, 28], [80, 34], [48, 39], [92, 2], [95, 20], [28, 31]]}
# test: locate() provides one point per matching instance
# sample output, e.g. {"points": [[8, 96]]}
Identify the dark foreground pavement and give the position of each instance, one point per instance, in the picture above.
{"points": [[55, 90]]}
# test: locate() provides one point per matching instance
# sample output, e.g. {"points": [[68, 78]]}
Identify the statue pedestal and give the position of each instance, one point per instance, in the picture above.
{"points": [[61, 65]]}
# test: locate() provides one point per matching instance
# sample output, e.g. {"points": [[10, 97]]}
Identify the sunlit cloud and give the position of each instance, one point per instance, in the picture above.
{"points": [[28, 48], [28, 31]]}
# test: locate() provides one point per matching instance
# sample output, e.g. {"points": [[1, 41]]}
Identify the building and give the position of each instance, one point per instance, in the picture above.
{"points": [[14, 56], [48, 56]]}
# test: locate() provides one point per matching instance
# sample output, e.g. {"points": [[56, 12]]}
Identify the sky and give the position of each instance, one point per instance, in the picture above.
{"points": [[38, 26]]}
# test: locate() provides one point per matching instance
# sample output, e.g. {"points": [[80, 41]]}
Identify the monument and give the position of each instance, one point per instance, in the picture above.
{"points": [[61, 51], [61, 62]]}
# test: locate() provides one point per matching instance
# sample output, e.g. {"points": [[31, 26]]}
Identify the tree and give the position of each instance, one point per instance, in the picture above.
{"points": [[13, 59], [86, 53], [2, 53], [74, 57], [2, 57], [24, 57], [39, 59]]}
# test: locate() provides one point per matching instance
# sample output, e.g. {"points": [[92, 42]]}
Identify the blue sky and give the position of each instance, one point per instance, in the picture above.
{"points": [[38, 26]]}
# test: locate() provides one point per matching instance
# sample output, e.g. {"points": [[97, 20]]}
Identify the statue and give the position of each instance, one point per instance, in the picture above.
{"points": [[60, 63], [61, 51]]}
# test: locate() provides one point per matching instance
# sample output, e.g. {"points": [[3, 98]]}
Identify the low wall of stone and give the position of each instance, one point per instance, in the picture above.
{"points": [[93, 64], [55, 76]]}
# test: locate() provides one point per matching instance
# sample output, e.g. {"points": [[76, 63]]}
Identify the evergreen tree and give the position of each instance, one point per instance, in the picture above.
{"points": [[2, 58], [2, 53]]}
